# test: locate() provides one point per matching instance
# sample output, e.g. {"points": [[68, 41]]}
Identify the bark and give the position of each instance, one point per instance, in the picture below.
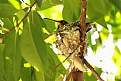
{"points": [[77, 76]]}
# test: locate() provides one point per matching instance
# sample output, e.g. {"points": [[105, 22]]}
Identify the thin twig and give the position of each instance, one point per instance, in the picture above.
{"points": [[19, 22], [83, 38], [92, 69]]}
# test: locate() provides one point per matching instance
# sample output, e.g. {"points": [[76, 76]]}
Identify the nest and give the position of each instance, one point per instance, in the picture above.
{"points": [[68, 39], [68, 43]]}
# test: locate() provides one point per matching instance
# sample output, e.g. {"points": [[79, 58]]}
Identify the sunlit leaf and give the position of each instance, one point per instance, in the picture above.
{"points": [[104, 34], [115, 30], [32, 44], [116, 59], [15, 3], [20, 14], [26, 73]]}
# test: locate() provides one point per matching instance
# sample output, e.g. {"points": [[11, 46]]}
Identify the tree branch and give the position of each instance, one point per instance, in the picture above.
{"points": [[83, 38], [83, 27], [92, 69], [78, 75], [19, 22]]}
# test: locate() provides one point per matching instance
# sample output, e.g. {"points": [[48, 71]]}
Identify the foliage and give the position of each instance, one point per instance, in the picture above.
{"points": [[26, 54]]}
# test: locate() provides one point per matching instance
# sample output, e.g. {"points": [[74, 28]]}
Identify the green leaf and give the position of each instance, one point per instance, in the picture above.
{"points": [[98, 70], [39, 76], [116, 3], [97, 9], [46, 75], [46, 4], [50, 26], [102, 22], [115, 31], [88, 76], [2, 74], [116, 56], [7, 10], [26, 72], [50, 75], [32, 45], [7, 23], [4, 1], [20, 14], [39, 2], [15, 3], [12, 58], [71, 10], [56, 1], [53, 57]]}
